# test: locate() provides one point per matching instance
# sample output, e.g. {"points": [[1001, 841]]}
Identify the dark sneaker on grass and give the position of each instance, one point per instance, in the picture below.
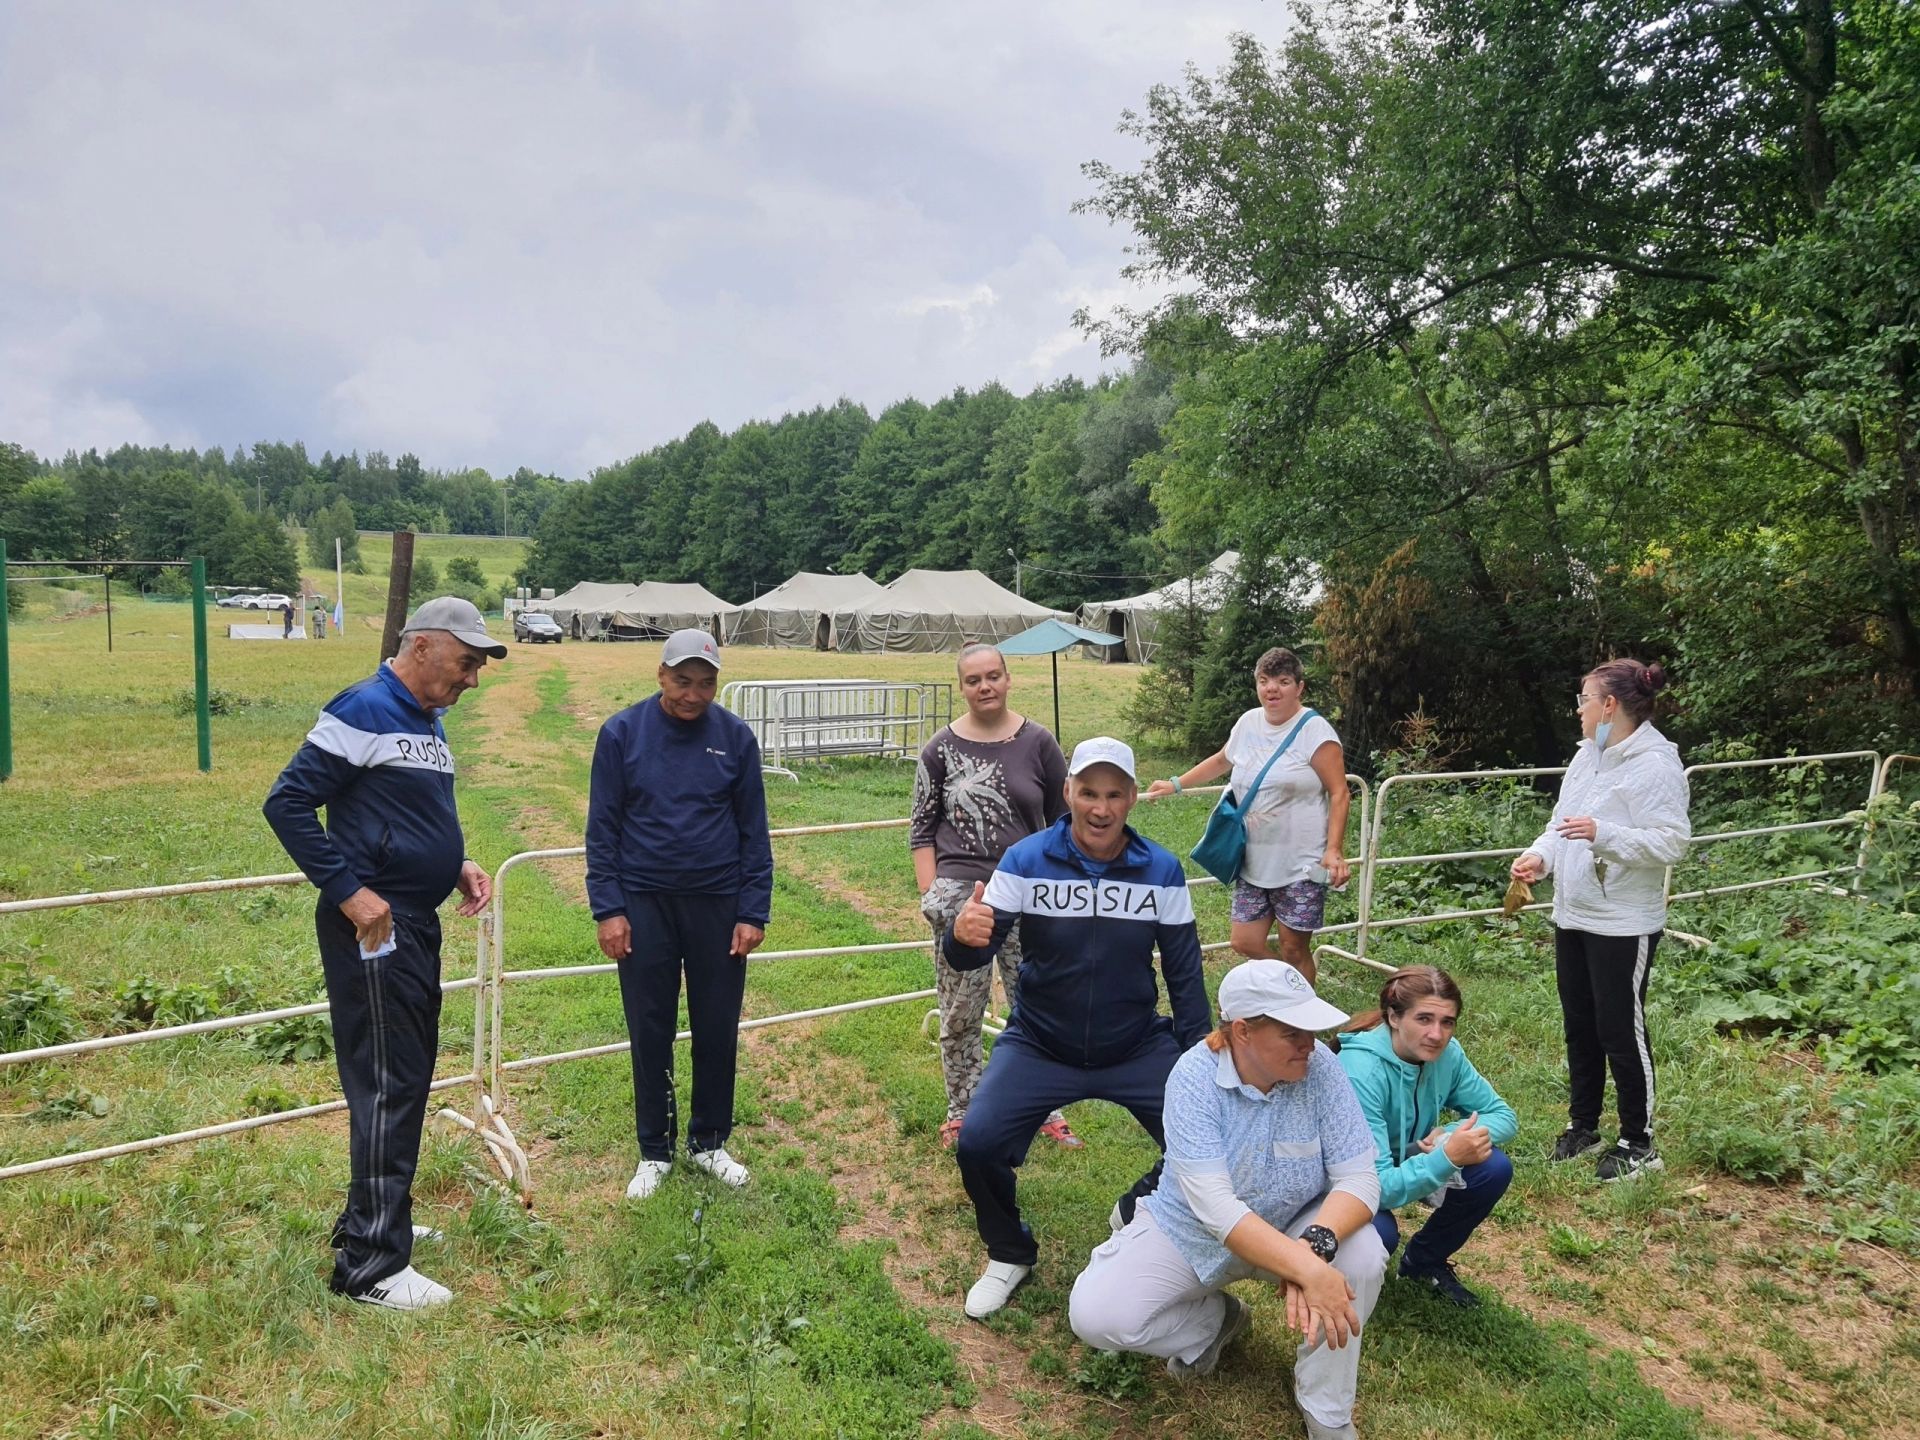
{"points": [[1626, 1159], [1574, 1142], [1232, 1325], [1443, 1281]]}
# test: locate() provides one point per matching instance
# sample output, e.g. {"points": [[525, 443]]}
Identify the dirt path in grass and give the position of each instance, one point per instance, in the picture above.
{"points": [[894, 1195], [1769, 1331]]}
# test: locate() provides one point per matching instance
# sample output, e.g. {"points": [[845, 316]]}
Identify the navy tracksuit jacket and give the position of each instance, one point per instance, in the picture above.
{"points": [[1086, 1024]]}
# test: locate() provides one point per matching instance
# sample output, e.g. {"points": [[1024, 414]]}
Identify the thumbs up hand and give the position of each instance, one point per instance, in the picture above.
{"points": [[973, 926], [1470, 1143]]}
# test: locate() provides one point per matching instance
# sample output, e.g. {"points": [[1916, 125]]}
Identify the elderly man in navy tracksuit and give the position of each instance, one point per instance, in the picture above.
{"points": [[391, 851], [1092, 900], [680, 876]]}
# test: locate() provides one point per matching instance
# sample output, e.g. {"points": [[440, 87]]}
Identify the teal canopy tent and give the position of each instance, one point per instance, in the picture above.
{"points": [[1050, 637]]}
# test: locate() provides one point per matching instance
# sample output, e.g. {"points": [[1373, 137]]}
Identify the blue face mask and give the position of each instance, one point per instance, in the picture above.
{"points": [[1600, 734]]}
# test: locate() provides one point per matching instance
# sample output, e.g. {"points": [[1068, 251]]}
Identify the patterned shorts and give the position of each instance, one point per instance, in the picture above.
{"points": [[1300, 906]]}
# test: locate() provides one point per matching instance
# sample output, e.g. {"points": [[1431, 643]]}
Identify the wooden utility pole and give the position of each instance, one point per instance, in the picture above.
{"points": [[399, 582]]}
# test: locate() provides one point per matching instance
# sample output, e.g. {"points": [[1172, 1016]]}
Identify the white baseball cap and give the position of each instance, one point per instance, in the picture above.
{"points": [[1102, 750], [1275, 989], [685, 645]]}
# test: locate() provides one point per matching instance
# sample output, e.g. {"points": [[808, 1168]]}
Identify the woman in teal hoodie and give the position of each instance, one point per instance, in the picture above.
{"points": [[1407, 1069]]}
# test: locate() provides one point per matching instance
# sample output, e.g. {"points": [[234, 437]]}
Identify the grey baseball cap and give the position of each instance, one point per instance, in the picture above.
{"points": [[684, 645], [459, 618]]}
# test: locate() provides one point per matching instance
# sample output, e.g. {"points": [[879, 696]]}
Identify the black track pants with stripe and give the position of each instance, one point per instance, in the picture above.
{"points": [[386, 1030], [1603, 1001]]}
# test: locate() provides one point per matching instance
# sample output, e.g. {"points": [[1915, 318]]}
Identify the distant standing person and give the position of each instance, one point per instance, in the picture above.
{"points": [[286, 621], [680, 878], [319, 619], [989, 779], [1620, 821], [390, 852], [1297, 825]]}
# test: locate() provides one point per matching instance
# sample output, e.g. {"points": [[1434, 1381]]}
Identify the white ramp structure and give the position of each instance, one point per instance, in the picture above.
{"points": [[798, 614], [927, 611]]}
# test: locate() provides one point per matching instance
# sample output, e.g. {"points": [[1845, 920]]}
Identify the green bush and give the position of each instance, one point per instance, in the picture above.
{"points": [[297, 1038], [35, 1010]]}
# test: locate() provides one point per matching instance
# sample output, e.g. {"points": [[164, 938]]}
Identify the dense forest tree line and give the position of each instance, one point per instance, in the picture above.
{"points": [[155, 502], [1059, 479], [1542, 334]]}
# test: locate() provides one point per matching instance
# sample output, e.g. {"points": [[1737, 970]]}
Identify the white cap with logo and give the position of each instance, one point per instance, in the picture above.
{"points": [[684, 645], [1275, 989], [459, 618], [1102, 750]]}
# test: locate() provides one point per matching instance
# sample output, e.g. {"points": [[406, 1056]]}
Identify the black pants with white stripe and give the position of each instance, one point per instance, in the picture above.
{"points": [[386, 1030], [1603, 1000]]}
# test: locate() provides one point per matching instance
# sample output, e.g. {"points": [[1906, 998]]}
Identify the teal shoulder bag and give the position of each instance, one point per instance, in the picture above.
{"points": [[1223, 845]]}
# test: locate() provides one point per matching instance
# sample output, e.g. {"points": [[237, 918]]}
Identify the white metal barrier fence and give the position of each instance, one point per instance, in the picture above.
{"points": [[799, 720], [486, 1115]]}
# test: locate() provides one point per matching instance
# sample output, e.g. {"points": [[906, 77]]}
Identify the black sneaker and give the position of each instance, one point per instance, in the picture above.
{"points": [[1626, 1159], [1573, 1142], [1443, 1281]]}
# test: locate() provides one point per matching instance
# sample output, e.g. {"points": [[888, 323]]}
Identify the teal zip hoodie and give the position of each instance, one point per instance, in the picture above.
{"points": [[1403, 1101]]}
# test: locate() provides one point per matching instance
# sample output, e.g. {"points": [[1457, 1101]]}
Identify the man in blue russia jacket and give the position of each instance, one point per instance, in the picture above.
{"points": [[680, 876], [1092, 900], [390, 852]]}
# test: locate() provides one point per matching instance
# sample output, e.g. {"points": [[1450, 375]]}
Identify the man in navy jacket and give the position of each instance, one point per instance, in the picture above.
{"points": [[391, 851], [680, 876], [1092, 900]]}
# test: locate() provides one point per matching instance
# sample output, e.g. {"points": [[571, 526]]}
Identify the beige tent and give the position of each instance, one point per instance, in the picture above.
{"points": [[1136, 619], [582, 610], [654, 609], [933, 610], [798, 614]]}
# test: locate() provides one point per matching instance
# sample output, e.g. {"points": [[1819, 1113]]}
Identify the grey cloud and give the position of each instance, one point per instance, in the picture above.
{"points": [[501, 235]]}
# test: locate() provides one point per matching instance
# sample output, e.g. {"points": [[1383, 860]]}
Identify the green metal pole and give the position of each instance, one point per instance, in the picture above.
{"points": [[6, 681], [203, 717]]}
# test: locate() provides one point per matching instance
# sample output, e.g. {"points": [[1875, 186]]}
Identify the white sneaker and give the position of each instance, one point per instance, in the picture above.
{"points": [[995, 1287], [406, 1289], [428, 1233], [722, 1166], [647, 1178]]}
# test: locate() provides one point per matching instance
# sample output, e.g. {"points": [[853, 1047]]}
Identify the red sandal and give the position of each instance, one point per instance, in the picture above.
{"points": [[1061, 1133]]}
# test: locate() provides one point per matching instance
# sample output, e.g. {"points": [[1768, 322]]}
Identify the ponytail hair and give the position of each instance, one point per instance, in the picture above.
{"points": [[1406, 986], [1632, 684]]}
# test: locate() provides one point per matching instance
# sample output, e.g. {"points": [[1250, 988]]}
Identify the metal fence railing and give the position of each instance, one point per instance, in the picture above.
{"points": [[486, 1076]]}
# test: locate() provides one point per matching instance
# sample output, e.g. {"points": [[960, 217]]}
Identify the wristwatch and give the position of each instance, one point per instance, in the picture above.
{"points": [[1322, 1241], [1177, 786]]}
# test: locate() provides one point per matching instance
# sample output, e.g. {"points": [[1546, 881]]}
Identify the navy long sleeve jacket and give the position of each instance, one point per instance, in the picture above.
{"points": [[379, 764], [1087, 936], [678, 806]]}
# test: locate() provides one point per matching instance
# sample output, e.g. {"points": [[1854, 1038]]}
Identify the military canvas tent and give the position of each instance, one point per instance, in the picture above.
{"points": [[931, 610], [654, 609], [583, 609], [798, 614], [1136, 619]]}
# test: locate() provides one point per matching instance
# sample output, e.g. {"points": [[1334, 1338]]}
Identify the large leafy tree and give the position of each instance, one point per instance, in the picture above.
{"points": [[1479, 274]]}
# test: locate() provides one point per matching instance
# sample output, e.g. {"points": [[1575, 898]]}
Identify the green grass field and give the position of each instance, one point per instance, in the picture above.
{"points": [[183, 1293]]}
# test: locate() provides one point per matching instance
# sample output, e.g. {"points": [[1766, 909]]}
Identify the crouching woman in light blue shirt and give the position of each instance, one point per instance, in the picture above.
{"points": [[1271, 1163]]}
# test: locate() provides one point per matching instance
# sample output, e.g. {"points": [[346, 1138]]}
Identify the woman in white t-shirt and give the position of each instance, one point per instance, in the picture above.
{"points": [[1297, 824]]}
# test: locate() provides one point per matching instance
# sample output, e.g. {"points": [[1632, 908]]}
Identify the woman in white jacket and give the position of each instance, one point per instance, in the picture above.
{"points": [[1620, 821]]}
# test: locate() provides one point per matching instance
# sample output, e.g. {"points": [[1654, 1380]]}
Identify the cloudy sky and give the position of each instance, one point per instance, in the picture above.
{"points": [[551, 234]]}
